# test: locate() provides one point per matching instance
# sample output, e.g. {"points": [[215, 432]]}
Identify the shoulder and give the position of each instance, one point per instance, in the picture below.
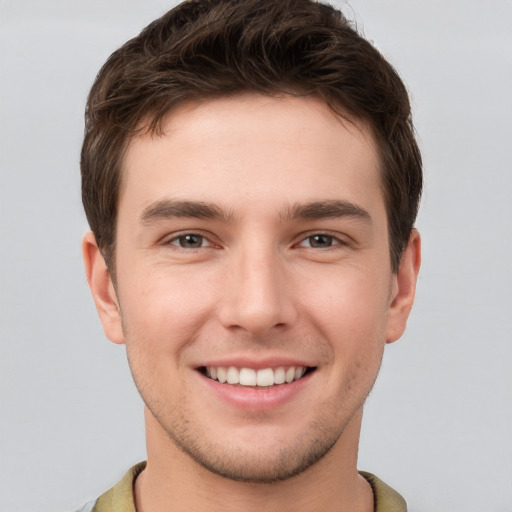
{"points": [[120, 497], [88, 507], [386, 498]]}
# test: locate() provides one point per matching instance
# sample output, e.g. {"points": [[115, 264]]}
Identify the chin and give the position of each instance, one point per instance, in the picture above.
{"points": [[246, 467], [253, 459]]}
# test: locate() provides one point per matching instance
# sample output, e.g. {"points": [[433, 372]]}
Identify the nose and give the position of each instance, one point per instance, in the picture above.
{"points": [[257, 294]]}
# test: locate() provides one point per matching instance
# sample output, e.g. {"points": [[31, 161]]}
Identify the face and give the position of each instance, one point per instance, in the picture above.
{"points": [[254, 288]]}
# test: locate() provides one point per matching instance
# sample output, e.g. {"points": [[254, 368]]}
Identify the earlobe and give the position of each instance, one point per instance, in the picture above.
{"points": [[404, 288], [102, 289]]}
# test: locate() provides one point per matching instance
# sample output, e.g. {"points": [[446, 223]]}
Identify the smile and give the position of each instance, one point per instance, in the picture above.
{"points": [[264, 377]]}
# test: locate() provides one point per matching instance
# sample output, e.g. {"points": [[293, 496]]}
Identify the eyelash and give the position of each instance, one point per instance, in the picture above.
{"points": [[179, 239], [176, 240], [334, 240]]}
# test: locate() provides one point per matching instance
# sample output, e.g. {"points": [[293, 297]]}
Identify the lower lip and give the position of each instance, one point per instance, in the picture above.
{"points": [[257, 399]]}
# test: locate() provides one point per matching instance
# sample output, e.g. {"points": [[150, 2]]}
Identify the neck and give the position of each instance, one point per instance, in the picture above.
{"points": [[173, 480]]}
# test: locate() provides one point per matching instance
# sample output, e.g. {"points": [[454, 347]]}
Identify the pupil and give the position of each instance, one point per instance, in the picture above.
{"points": [[321, 241], [191, 241]]}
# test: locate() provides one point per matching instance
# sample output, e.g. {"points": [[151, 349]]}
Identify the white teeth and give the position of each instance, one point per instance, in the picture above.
{"points": [[221, 375], [279, 376], [233, 375], [265, 377], [248, 377], [290, 374]]}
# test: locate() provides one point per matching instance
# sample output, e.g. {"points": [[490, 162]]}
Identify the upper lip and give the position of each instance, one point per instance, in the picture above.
{"points": [[254, 362]]}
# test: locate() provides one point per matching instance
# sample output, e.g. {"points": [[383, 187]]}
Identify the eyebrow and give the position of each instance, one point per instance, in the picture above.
{"points": [[170, 208], [327, 209]]}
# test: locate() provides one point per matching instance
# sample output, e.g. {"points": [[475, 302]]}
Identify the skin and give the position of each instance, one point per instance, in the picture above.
{"points": [[267, 280]]}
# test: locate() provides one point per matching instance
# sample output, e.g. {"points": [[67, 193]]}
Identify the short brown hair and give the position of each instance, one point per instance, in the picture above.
{"points": [[210, 48]]}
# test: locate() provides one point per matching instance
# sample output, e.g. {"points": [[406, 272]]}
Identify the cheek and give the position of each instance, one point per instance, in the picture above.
{"points": [[164, 310], [161, 318], [355, 302], [350, 313]]}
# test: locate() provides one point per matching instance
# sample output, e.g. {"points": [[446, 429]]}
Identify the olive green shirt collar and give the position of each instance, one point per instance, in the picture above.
{"points": [[120, 497]]}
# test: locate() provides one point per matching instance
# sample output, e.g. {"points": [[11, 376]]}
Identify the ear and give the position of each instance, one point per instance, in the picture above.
{"points": [[404, 288], [102, 288]]}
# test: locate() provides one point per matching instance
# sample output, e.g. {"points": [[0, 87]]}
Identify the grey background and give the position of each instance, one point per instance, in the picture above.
{"points": [[438, 424]]}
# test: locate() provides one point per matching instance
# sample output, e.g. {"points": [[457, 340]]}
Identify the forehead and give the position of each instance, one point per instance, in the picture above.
{"points": [[252, 147]]}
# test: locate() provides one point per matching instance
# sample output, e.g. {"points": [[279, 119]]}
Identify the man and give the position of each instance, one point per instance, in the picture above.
{"points": [[251, 180]]}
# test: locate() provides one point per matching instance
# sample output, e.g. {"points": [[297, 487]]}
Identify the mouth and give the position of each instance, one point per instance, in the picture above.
{"points": [[263, 378]]}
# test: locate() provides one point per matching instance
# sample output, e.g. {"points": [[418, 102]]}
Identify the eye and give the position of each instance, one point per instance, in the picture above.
{"points": [[189, 241], [319, 241]]}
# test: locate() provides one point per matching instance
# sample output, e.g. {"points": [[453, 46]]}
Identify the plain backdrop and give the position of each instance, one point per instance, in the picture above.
{"points": [[438, 425]]}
